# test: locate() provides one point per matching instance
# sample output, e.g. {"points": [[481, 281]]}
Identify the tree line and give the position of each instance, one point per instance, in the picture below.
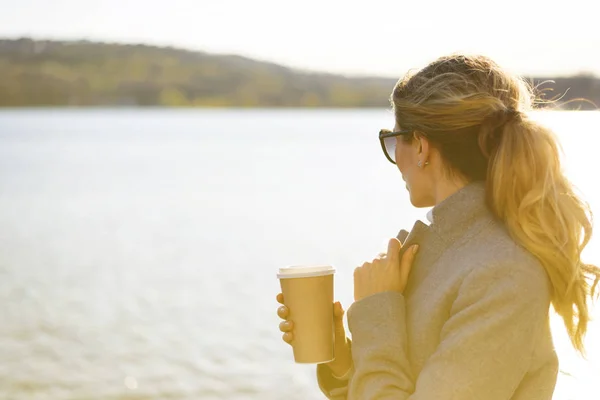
{"points": [[83, 73]]}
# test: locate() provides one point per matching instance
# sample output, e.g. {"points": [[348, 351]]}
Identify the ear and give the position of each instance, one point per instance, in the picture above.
{"points": [[423, 147]]}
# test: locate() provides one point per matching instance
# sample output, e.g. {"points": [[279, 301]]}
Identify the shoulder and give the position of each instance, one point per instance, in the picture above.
{"points": [[495, 261]]}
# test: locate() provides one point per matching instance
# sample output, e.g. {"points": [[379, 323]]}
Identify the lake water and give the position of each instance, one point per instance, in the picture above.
{"points": [[138, 248]]}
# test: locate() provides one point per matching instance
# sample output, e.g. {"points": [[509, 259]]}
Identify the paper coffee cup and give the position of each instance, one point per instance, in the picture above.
{"points": [[308, 294]]}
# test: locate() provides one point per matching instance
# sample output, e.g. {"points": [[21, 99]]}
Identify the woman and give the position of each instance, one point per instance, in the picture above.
{"points": [[467, 316]]}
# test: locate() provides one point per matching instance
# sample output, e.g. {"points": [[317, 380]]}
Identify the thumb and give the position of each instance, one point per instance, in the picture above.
{"points": [[338, 319], [393, 252]]}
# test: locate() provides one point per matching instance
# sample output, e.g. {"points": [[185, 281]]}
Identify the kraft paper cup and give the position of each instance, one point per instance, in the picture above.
{"points": [[308, 294]]}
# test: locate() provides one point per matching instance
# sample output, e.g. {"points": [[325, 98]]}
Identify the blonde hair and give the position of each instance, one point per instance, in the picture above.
{"points": [[474, 113]]}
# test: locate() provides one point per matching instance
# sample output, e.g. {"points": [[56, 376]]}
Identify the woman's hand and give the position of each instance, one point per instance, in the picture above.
{"points": [[385, 273], [342, 355]]}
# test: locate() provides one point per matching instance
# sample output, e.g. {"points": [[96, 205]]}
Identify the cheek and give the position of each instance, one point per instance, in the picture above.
{"points": [[403, 157]]}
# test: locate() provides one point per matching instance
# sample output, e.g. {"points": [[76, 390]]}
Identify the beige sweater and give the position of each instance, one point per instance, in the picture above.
{"points": [[472, 323]]}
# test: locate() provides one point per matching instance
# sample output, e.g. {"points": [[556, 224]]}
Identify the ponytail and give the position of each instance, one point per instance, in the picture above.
{"points": [[527, 190]]}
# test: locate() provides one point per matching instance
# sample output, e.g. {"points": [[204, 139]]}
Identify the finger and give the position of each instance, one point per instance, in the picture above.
{"points": [[407, 261], [357, 272], [283, 312], [338, 321], [280, 298], [286, 326], [393, 252], [288, 337], [381, 255], [338, 311]]}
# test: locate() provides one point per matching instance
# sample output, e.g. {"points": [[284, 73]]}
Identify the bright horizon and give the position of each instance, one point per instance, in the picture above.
{"points": [[381, 39]]}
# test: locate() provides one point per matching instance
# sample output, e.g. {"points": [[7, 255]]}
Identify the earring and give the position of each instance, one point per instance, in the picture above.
{"points": [[419, 164]]}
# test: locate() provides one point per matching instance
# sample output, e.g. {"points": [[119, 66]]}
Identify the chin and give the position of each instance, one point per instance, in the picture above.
{"points": [[417, 204], [418, 201]]}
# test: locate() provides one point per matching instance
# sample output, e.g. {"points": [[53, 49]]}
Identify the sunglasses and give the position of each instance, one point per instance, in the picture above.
{"points": [[387, 139]]}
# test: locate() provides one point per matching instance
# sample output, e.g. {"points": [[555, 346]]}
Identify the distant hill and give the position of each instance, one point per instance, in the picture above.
{"points": [[82, 73]]}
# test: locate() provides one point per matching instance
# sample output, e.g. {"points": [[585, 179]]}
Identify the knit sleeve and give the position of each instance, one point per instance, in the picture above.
{"points": [[333, 387]]}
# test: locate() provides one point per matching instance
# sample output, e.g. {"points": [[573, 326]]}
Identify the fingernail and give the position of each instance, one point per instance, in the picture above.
{"points": [[281, 309], [415, 248]]}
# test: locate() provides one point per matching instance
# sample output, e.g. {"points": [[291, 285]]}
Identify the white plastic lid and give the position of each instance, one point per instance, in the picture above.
{"points": [[305, 271]]}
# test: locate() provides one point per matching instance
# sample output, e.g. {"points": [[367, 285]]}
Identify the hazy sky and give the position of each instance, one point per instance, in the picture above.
{"points": [[542, 37]]}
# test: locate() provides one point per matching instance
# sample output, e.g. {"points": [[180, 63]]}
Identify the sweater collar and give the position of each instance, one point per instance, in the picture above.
{"points": [[454, 215]]}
